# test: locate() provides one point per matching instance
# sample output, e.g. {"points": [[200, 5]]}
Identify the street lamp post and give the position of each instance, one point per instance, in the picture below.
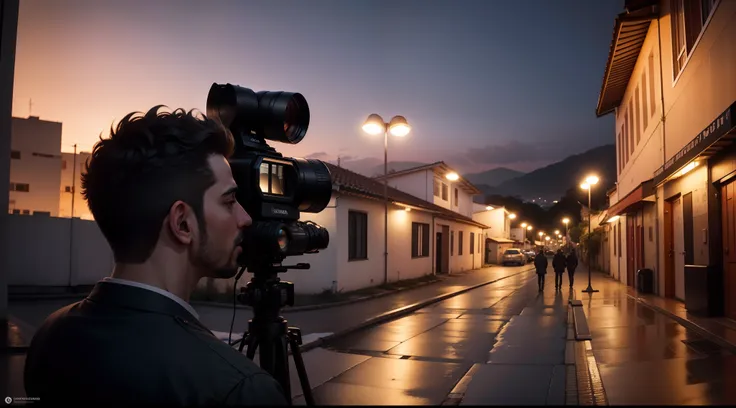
{"points": [[523, 233], [588, 185], [398, 126]]}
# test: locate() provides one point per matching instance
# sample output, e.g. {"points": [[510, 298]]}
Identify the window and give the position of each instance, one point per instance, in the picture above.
{"points": [[15, 154], [618, 148], [688, 20], [419, 240], [357, 235], [436, 187], [644, 110], [26, 212], [632, 131], [67, 189], [22, 187], [651, 234], [456, 196], [444, 191], [452, 243], [626, 139], [44, 155], [637, 114], [460, 243], [652, 104], [472, 242], [614, 240], [619, 241], [63, 164]]}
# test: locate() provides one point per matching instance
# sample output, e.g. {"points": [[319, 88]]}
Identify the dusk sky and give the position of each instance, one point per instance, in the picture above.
{"points": [[483, 83]]}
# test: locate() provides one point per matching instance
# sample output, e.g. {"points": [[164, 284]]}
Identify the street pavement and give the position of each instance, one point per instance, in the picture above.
{"points": [[645, 357], [502, 343], [510, 337]]}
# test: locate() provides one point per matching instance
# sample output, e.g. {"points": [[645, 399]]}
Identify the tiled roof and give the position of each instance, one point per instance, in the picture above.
{"points": [[349, 182]]}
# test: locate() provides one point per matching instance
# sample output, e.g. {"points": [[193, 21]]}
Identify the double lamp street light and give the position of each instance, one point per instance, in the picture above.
{"points": [[398, 126]]}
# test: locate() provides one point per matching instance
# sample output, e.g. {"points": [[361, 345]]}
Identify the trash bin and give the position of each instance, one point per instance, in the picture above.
{"points": [[645, 281]]}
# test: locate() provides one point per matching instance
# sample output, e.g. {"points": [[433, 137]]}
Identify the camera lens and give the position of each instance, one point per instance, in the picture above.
{"points": [[283, 240], [314, 185], [284, 116]]}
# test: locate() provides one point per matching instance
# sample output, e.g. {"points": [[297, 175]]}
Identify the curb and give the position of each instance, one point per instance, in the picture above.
{"points": [[688, 324], [315, 306], [399, 312]]}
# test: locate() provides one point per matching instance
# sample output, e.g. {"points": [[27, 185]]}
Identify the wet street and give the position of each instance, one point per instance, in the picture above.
{"points": [[644, 357], [502, 343], [511, 335]]}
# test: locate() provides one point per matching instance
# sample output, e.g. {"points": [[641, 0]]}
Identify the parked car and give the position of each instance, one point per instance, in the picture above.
{"points": [[514, 256], [530, 255]]}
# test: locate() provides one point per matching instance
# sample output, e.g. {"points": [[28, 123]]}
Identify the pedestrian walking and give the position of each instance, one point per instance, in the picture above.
{"points": [[572, 263], [558, 264], [540, 262]]}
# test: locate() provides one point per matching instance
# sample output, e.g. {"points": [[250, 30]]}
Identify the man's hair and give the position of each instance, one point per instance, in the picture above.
{"points": [[150, 161]]}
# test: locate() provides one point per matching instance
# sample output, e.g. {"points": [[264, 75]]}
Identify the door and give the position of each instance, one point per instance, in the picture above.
{"points": [[669, 258], [728, 222], [630, 250], [438, 253], [445, 249], [679, 249]]}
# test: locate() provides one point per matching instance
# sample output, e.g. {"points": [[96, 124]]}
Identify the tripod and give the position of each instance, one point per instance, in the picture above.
{"points": [[268, 332]]}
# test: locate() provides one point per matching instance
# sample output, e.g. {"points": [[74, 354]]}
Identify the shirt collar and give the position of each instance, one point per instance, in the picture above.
{"points": [[160, 291]]}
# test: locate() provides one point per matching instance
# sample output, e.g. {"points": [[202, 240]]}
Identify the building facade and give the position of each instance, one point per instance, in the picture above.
{"points": [[423, 239], [35, 166], [669, 83]]}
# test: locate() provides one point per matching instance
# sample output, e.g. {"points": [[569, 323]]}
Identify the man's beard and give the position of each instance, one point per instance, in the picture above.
{"points": [[225, 268]]}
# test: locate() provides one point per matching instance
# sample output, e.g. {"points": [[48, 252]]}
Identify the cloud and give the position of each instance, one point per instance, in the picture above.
{"points": [[318, 155]]}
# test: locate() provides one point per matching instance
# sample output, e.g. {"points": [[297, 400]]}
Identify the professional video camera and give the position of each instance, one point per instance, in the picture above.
{"points": [[273, 189]]}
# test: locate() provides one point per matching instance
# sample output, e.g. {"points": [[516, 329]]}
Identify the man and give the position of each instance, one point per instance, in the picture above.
{"points": [[540, 263], [163, 195], [558, 264], [572, 263]]}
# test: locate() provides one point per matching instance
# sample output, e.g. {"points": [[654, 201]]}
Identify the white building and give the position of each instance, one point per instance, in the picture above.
{"points": [[35, 166], [669, 83], [423, 238]]}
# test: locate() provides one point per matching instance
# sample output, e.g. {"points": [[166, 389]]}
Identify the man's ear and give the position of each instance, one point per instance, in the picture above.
{"points": [[180, 222]]}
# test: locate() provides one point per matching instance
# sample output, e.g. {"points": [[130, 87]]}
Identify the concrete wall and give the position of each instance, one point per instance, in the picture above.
{"points": [[707, 84], [418, 184], [643, 129], [499, 225], [39, 144], [40, 253]]}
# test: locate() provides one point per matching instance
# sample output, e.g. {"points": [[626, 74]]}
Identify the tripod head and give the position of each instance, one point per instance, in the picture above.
{"points": [[266, 293]]}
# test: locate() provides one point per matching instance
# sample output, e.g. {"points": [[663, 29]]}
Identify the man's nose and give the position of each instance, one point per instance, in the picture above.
{"points": [[244, 220]]}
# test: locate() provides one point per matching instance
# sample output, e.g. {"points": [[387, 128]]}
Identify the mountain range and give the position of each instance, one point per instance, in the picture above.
{"points": [[545, 184]]}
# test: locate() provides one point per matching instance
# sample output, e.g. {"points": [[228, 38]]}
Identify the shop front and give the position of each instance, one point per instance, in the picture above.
{"points": [[695, 196]]}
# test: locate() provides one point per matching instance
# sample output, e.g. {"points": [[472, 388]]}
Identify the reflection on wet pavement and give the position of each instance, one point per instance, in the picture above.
{"points": [[419, 358], [644, 357]]}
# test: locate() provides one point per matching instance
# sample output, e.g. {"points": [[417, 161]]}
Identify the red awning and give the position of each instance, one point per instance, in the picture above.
{"points": [[633, 200]]}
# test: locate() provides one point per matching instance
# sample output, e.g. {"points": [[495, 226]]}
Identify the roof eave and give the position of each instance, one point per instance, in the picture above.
{"points": [[645, 14]]}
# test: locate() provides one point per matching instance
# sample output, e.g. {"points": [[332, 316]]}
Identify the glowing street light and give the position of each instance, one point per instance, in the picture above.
{"points": [[590, 181], [398, 126]]}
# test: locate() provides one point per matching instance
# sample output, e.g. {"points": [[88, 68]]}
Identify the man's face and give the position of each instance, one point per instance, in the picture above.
{"points": [[224, 220]]}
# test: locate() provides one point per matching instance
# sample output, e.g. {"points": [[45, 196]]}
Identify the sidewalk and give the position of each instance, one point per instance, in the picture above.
{"points": [[649, 350]]}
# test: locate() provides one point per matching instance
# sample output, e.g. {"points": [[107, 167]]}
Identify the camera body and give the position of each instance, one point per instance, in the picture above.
{"points": [[273, 189]]}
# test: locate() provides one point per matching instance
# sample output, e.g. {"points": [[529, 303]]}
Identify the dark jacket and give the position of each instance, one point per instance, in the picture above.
{"points": [[129, 346], [572, 262], [559, 262], [540, 262]]}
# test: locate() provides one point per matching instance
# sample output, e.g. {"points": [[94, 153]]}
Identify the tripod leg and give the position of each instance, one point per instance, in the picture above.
{"points": [[252, 342], [300, 369]]}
